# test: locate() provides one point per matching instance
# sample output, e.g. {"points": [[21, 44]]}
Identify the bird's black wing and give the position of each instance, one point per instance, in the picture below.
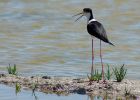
{"points": [[96, 29]]}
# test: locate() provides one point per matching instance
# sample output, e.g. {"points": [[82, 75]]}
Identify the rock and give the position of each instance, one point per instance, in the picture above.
{"points": [[80, 91], [46, 77], [32, 76], [59, 86], [54, 89], [89, 90], [2, 75]]}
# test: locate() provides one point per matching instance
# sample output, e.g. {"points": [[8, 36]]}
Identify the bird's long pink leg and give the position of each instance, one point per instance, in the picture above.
{"points": [[102, 63], [92, 58]]}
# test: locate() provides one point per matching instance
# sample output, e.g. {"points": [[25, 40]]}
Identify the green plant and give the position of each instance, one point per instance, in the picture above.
{"points": [[108, 73], [12, 70], [17, 88], [120, 73], [96, 76]]}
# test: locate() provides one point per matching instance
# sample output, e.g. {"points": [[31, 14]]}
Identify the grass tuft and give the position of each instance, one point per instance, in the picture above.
{"points": [[12, 69], [96, 76], [120, 73], [17, 88], [108, 73]]}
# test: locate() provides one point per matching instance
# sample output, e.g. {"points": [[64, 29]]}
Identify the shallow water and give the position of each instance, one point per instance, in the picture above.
{"points": [[41, 37], [8, 93], [27, 95]]}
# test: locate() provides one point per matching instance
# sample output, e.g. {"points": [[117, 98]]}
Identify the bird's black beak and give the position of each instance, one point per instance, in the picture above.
{"points": [[78, 15]]}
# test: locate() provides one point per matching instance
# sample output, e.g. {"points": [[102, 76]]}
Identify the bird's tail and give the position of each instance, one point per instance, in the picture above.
{"points": [[111, 43]]}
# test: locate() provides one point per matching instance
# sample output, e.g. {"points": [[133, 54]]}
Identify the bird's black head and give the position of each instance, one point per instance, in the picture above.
{"points": [[86, 12]]}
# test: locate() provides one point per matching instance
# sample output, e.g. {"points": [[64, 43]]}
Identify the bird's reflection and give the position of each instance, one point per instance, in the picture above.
{"points": [[35, 96]]}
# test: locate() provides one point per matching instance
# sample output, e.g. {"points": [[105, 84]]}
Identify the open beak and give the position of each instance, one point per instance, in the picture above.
{"points": [[78, 17]]}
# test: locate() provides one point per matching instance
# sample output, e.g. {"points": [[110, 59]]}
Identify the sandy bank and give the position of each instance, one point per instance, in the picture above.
{"points": [[66, 85]]}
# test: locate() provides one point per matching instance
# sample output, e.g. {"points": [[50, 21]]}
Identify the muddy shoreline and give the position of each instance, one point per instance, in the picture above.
{"points": [[67, 85]]}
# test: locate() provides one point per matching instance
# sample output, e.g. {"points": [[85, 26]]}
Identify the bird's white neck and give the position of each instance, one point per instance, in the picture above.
{"points": [[91, 20], [88, 15]]}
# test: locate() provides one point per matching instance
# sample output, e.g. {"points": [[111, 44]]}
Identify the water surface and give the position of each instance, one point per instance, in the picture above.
{"points": [[41, 37], [27, 95]]}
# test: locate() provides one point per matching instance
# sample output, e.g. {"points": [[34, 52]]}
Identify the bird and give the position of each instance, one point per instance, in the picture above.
{"points": [[97, 30]]}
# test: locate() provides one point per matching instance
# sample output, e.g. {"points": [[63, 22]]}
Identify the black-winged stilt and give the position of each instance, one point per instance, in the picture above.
{"points": [[95, 29]]}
